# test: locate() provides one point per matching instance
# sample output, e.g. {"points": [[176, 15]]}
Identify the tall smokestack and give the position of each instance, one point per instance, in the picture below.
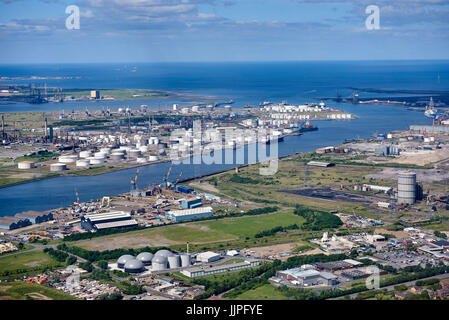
{"points": [[3, 126]]}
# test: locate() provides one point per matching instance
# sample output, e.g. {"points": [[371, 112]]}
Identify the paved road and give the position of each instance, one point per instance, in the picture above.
{"points": [[409, 283], [37, 247]]}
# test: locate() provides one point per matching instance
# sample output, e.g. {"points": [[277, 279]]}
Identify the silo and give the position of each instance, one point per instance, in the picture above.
{"points": [[159, 263], [173, 262], [185, 260], [406, 188]]}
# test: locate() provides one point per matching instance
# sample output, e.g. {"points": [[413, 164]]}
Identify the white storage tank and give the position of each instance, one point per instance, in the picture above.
{"points": [[96, 160], [85, 154], [117, 156], [105, 150], [100, 155], [173, 262], [134, 153], [58, 167], [141, 160], [82, 163], [159, 263], [143, 149], [25, 165], [185, 260], [153, 158], [68, 159]]}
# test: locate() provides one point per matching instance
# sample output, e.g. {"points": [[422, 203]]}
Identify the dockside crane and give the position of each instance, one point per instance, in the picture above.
{"points": [[167, 175], [134, 181]]}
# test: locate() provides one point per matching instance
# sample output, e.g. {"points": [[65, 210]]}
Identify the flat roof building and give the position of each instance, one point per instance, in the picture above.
{"points": [[208, 270], [191, 203], [208, 256], [308, 277], [189, 214]]}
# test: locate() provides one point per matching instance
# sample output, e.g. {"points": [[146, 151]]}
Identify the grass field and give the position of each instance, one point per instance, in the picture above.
{"points": [[195, 233], [28, 291], [265, 292], [26, 261]]}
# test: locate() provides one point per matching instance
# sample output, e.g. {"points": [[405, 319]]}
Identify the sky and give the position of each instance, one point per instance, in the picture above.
{"points": [[34, 31]]}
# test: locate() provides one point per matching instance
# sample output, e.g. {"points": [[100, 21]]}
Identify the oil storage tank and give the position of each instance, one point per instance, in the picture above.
{"points": [[406, 188], [173, 262], [159, 263], [123, 259], [145, 257]]}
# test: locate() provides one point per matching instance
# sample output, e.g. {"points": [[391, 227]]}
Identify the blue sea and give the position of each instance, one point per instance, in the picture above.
{"points": [[245, 83]]}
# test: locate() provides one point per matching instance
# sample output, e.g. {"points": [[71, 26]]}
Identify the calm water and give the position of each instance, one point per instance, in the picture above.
{"points": [[245, 83]]}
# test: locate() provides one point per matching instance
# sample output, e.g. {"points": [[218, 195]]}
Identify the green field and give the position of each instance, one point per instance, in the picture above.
{"points": [[27, 261], [30, 291], [265, 292], [215, 231], [249, 226]]}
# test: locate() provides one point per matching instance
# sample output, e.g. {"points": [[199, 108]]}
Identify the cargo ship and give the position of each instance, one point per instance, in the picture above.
{"points": [[307, 127]]}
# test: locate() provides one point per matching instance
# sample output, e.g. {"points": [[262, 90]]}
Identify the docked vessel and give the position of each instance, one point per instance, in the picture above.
{"points": [[431, 112], [307, 127]]}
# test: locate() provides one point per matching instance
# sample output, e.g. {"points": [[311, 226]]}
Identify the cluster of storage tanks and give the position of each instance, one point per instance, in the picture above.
{"points": [[161, 260]]}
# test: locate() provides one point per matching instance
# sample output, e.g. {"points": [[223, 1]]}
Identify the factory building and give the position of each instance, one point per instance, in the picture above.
{"points": [[208, 257], [189, 214], [307, 278], [183, 189], [334, 266], [191, 203], [108, 220], [320, 164], [35, 216], [11, 223], [208, 270]]}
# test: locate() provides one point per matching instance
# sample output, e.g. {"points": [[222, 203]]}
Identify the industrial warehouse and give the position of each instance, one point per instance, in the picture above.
{"points": [[113, 219], [189, 214]]}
